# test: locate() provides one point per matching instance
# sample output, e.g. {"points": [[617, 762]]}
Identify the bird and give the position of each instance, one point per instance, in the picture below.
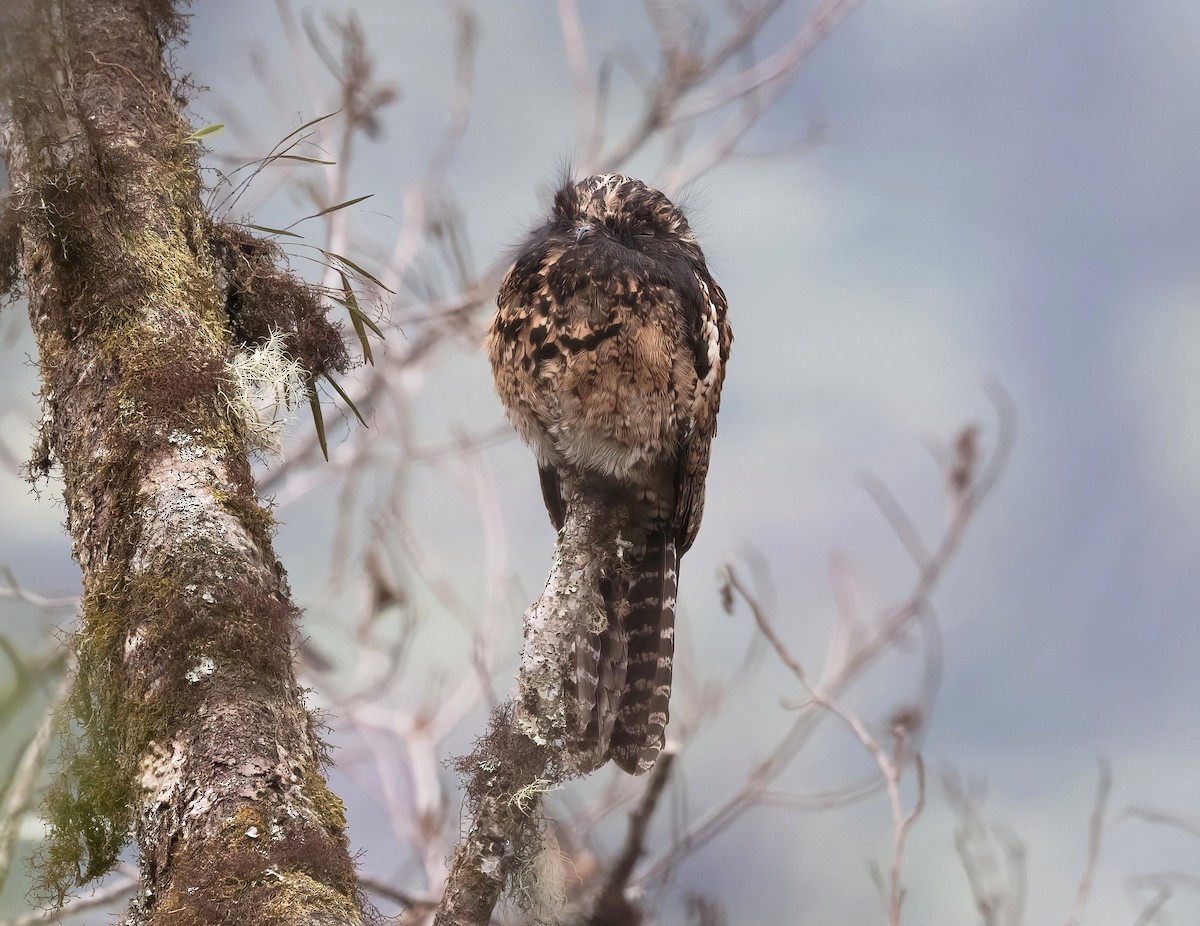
{"points": [[608, 349]]}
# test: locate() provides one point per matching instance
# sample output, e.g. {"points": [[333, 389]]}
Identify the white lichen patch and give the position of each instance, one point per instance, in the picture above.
{"points": [[132, 642], [203, 668], [526, 798], [188, 505], [160, 773], [181, 504], [532, 727], [186, 446], [268, 385], [201, 804]]}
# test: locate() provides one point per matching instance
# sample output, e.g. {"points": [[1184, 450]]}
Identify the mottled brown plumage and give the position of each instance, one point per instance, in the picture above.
{"points": [[609, 351]]}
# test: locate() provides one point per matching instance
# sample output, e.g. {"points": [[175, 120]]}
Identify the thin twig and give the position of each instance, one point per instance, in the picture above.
{"points": [[1095, 835], [120, 889], [764, 625], [1152, 815], [890, 768], [841, 675], [15, 591], [775, 68], [824, 800], [612, 895], [973, 843], [20, 793], [414, 902], [1172, 879], [1150, 911], [575, 46]]}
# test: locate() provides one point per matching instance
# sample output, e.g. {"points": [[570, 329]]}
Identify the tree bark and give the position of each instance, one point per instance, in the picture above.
{"points": [[187, 722]]}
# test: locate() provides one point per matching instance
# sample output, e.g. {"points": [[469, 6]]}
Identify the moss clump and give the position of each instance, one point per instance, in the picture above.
{"points": [[114, 716], [89, 802], [262, 297], [263, 874], [330, 809], [10, 251], [318, 856], [255, 517], [231, 885], [299, 892], [504, 778], [168, 381], [63, 219]]}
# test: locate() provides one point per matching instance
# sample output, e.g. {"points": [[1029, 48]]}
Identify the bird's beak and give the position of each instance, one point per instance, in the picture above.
{"points": [[581, 230]]}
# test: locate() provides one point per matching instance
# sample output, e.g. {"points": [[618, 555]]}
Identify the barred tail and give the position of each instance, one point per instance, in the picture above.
{"points": [[650, 630]]}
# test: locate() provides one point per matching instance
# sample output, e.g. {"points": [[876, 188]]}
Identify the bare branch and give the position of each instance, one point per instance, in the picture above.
{"points": [[764, 625], [583, 89], [612, 906], [1153, 815], [413, 902], [890, 767], [539, 741], [118, 891], [899, 520], [1095, 835], [776, 68], [1172, 879], [855, 658], [1150, 911], [824, 800], [21, 791], [13, 590], [976, 843]]}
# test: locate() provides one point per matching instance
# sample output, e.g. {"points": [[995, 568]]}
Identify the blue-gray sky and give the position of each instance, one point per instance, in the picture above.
{"points": [[1009, 190]]}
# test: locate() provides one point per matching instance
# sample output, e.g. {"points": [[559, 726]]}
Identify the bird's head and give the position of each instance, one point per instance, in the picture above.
{"points": [[637, 215]]}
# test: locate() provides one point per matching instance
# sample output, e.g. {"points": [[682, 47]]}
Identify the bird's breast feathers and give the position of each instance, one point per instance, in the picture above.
{"points": [[609, 340]]}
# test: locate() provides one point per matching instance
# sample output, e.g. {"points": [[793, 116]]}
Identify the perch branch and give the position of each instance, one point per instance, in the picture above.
{"points": [[534, 743]]}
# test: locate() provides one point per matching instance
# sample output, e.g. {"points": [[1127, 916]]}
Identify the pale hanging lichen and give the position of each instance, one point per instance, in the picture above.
{"points": [[538, 882], [267, 385]]}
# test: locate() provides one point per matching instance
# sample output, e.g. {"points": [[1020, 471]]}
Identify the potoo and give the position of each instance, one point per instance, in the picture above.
{"points": [[609, 351]]}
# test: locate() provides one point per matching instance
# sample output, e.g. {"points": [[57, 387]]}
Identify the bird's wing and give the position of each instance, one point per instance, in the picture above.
{"points": [[711, 339]]}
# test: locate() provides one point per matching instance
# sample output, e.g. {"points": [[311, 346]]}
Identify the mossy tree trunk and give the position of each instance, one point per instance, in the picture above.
{"points": [[187, 726]]}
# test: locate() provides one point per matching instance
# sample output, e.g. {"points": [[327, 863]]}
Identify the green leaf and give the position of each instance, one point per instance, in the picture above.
{"points": [[314, 402], [357, 269], [206, 131], [345, 398], [329, 209], [355, 309], [300, 157], [306, 125], [356, 318], [274, 231]]}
